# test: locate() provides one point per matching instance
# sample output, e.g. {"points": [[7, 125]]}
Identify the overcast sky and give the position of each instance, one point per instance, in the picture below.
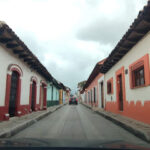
{"points": [[70, 36]]}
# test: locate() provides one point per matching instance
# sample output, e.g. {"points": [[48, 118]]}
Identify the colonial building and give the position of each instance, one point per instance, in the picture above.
{"points": [[23, 78], [127, 71], [91, 86], [123, 79], [53, 93], [81, 93]]}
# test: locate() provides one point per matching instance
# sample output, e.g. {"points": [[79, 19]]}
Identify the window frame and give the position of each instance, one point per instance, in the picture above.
{"points": [[110, 83], [142, 62], [136, 76]]}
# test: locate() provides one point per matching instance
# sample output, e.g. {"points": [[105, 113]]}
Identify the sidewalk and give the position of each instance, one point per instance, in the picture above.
{"points": [[16, 124], [137, 128]]}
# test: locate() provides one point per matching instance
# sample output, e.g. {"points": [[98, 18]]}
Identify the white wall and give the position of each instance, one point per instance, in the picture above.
{"points": [[101, 79], [83, 97], [7, 58], [138, 51]]}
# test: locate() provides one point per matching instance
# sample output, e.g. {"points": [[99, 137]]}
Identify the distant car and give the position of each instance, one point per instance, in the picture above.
{"points": [[73, 100]]}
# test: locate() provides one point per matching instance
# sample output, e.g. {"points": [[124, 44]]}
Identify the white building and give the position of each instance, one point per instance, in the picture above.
{"points": [[22, 77], [127, 71]]}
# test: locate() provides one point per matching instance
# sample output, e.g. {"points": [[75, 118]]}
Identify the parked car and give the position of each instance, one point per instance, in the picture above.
{"points": [[73, 100]]}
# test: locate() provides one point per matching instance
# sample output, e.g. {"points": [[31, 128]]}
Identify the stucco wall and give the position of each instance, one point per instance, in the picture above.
{"points": [[7, 58], [138, 51], [91, 86], [139, 96], [55, 93], [101, 79], [49, 92]]}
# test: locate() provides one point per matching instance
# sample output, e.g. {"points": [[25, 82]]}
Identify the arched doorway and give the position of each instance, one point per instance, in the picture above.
{"points": [[33, 93], [33, 98], [13, 90], [13, 93], [43, 95]]}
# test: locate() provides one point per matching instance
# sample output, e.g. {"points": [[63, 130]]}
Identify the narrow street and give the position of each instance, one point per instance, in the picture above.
{"points": [[76, 125]]}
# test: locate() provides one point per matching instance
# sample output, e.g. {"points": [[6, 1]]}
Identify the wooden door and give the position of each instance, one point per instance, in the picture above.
{"points": [[94, 95], [33, 96], [102, 95], [13, 93]]}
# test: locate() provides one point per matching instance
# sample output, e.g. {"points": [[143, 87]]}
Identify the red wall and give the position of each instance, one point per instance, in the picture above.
{"points": [[136, 111]]}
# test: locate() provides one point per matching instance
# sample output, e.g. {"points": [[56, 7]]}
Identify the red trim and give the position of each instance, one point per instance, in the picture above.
{"points": [[4, 109], [120, 72], [24, 109], [8, 84], [35, 101], [33, 79], [30, 96], [44, 100], [44, 85], [18, 97], [12, 68], [142, 61], [110, 81], [15, 67], [40, 98]]}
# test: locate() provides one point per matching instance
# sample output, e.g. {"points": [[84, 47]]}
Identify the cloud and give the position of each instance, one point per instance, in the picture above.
{"points": [[69, 37], [111, 23], [103, 31]]}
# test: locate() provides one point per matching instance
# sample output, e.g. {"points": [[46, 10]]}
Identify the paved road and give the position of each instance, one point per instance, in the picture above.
{"points": [[76, 125]]}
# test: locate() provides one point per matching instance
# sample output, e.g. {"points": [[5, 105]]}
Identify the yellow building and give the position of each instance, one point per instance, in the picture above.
{"points": [[61, 96]]}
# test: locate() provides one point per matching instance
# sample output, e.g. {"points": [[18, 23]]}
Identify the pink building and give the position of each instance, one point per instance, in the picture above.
{"points": [[91, 87]]}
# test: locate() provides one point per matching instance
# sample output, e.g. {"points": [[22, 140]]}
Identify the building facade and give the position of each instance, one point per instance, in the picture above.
{"points": [[125, 83], [52, 94], [91, 86], [127, 72], [23, 78], [67, 94]]}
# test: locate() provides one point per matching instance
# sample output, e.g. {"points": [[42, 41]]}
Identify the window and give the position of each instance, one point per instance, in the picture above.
{"points": [[110, 86], [138, 77], [139, 72]]}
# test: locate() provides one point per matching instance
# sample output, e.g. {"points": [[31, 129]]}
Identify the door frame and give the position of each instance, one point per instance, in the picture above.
{"points": [[118, 73], [99, 92], [10, 69], [44, 86], [102, 93], [33, 79]]}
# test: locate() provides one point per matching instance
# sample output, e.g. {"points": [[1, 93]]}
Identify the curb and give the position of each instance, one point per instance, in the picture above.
{"points": [[15, 130], [137, 132]]}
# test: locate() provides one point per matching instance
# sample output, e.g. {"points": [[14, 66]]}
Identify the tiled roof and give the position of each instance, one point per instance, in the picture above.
{"points": [[135, 33], [94, 73]]}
